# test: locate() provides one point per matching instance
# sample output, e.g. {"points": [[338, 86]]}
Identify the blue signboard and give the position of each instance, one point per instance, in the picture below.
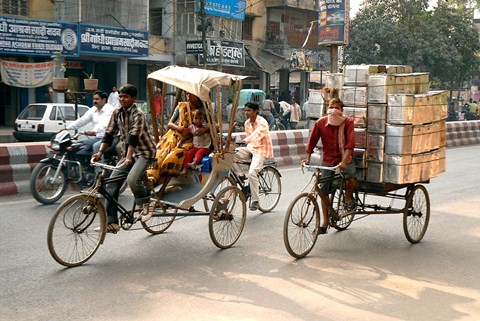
{"points": [[37, 37], [103, 40], [233, 9], [333, 22]]}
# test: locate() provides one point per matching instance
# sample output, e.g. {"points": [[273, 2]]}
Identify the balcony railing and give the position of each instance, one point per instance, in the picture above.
{"points": [[299, 4]]}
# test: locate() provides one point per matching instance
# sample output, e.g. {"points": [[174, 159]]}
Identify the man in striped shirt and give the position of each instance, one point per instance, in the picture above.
{"points": [[138, 152], [258, 149]]}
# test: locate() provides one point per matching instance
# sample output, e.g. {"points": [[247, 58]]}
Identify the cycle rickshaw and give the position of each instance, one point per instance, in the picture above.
{"points": [[302, 220], [78, 226]]}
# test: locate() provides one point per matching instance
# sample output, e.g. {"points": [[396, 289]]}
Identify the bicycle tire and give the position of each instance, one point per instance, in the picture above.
{"points": [[83, 219], [344, 218], [299, 234], [270, 188], [416, 214], [227, 217], [158, 224]]}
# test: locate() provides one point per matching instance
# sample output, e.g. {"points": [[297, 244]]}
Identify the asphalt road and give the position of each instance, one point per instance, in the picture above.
{"points": [[369, 272]]}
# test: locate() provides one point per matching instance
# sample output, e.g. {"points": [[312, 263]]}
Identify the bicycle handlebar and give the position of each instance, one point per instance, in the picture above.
{"points": [[314, 167], [106, 166]]}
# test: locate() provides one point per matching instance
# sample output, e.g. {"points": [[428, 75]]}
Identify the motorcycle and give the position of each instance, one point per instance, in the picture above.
{"points": [[68, 162]]}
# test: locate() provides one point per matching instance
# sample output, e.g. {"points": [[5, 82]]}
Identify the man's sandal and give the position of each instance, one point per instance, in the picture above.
{"points": [[113, 228]]}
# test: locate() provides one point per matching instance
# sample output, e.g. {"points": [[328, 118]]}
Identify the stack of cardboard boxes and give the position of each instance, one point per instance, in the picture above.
{"points": [[400, 133]]}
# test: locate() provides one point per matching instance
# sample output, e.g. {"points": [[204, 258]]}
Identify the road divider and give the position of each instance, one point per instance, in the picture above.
{"points": [[17, 160]]}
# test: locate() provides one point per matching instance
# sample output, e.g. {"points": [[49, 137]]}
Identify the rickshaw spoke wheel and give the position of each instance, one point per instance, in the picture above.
{"points": [[301, 224], [416, 214], [76, 230], [159, 222], [210, 197], [270, 189], [227, 217], [337, 199]]}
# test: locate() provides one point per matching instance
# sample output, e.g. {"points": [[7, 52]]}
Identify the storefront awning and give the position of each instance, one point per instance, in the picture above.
{"points": [[267, 61]]}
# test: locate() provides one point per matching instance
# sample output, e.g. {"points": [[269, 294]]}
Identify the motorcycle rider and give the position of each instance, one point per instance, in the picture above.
{"points": [[99, 115]]}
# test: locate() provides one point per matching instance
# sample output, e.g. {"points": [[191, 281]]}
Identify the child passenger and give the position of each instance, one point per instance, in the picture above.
{"points": [[201, 141]]}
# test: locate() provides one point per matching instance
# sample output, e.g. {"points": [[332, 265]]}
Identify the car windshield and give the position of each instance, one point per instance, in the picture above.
{"points": [[33, 112]]}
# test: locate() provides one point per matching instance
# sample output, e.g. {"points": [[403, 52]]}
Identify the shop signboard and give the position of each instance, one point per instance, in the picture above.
{"points": [[233, 9], [103, 40], [220, 52], [37, 37], [333, 22]]}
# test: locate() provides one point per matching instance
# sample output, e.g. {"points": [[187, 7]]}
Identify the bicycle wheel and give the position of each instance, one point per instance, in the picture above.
{"points": [[76, 230], [301, 224], [344, 218], [210, 197], [417, 214], [42, 186], [158, 223], [280, 126], [227, 217], [270, 189]]}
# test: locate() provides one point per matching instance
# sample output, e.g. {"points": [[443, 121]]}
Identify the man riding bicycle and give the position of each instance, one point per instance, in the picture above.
{"points": [[338, 139], [258, 149], [138, 152]]}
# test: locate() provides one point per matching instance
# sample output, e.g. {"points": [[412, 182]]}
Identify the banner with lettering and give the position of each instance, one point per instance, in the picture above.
{"points": [[113, 41], [233, 9], [26, 75], [333, 22], [37, 38]]}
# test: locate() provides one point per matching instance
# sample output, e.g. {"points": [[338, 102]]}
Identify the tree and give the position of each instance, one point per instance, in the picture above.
{"points": [[441, 41]]}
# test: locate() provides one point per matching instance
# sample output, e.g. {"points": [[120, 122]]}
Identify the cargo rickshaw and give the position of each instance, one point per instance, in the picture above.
{"points": [[399, 189], [78, 226]]}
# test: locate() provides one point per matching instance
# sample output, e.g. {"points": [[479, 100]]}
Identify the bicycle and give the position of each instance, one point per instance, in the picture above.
{"points": [[277, 123], [270, 186], [302, 220], [79, 225]]}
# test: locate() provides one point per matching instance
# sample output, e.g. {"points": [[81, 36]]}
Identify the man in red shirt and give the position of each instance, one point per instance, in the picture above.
{"points": [[338, 148]]}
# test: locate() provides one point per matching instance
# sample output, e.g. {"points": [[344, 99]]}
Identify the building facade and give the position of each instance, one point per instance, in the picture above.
{"points": [[122, 41]]}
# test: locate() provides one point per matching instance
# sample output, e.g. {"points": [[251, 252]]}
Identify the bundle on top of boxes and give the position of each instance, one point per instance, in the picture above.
{"points": [[400, 133]]}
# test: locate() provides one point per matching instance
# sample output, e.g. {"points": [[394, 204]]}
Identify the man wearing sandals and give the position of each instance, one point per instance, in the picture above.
{"points": [[258, 149], [338, 139], [138, 150]]}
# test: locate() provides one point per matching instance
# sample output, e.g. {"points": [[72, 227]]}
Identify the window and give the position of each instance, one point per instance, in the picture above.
{"points": [[33, 112], [186, 22], [247, 28], [156, 21], [14, 7]]}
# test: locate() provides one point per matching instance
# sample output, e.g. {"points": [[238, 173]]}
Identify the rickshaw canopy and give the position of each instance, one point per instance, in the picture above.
{"points": [[196, 81]]}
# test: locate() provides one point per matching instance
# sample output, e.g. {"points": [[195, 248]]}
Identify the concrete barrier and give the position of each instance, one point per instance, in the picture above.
{"points": [[17, 160], [288, 145], [463, 133]]}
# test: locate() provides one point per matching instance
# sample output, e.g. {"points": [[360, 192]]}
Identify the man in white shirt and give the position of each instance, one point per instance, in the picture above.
{"points": [[99, 115], [285, 109], [113, 98]]}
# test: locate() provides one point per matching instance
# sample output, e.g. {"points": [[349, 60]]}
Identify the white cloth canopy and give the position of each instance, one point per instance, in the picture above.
{"points": [[193, 80]]}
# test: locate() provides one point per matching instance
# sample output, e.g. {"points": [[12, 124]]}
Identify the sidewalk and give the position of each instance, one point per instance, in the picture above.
{"points": [[6, 135]]}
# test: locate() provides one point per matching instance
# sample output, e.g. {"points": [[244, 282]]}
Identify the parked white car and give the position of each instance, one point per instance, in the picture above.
{"points": [[39, 122]]}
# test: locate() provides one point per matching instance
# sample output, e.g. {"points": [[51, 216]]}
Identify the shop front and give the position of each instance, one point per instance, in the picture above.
{"points": [[33, 52]]}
